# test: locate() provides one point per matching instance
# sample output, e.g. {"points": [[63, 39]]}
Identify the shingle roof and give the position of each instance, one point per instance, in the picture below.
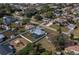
{"points": [[37, 31], [5, 49], [73, 48], [8, 20]]}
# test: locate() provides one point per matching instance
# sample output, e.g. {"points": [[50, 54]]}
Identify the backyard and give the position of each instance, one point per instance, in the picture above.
{"points": [[47, 44], [19, 43]]}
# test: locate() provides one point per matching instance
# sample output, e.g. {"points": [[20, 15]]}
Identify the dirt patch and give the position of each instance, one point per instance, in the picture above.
{"points": [[19, 43], [47, 44]]}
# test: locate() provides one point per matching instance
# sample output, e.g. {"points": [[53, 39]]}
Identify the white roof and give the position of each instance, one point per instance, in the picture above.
{"points": [[1, 36]]}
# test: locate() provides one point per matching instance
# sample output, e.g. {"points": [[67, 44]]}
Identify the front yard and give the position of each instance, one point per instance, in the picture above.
{"points": [[64, 29]]}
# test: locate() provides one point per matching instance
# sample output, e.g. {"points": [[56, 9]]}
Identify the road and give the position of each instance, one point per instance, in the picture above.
{"points": [[44, 26]]}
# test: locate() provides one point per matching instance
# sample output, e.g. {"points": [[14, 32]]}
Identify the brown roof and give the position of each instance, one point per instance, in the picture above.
{"points": [[69, 43], [19, 43], [72, 48]]}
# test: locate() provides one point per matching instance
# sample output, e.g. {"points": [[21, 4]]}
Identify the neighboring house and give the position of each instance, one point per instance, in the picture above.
{"points": [[2, 37], [28, 27], [37, 32], [69, 43], [5, 27], [74, 49], [7, 49], [71, 26], [18, 24], [7, 20]]}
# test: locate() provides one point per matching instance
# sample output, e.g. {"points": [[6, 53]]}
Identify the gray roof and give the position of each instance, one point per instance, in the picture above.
{"points": [[8, 20], [1, 37], [71, 26], [37, 31], [6, 49]]}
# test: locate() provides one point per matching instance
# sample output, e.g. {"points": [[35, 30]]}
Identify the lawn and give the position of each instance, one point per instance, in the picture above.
{"points": [[47, 44], [51, 32], [64, 29], [39, 22], [76, 32], [29, 36], [55, 26]]}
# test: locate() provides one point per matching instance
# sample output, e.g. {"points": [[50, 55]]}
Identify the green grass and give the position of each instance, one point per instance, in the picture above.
{"points": [[64, 29], [76, 32], [55, 27], [1, 20], [51, 32]]}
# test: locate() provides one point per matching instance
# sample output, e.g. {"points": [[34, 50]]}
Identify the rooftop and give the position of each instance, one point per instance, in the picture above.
{"points": [[6, 49], [8, 20], [1, 37], [73, 48], [37, 31]]}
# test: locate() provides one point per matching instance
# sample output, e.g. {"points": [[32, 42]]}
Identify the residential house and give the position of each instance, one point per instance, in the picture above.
{"points": [[37, 32], [69, 43], [27, 27], [7, 49], [74, 49], [71, 26], [7, 20]]}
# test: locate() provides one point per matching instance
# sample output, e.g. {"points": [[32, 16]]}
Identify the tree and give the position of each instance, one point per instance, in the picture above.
{"points": [[34, 49], [38, 17], [5, 9], [59, 29], [26, 50], [45, 8], [61, 42], [72, 36], [30, 12], [61, 39], [38, 50]]}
